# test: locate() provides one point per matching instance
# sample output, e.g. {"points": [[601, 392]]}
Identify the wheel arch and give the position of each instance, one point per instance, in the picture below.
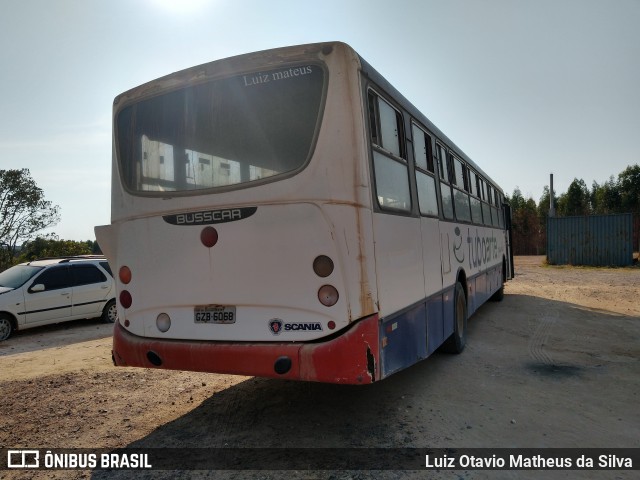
{"points": [[12, 319], [461, 277]]}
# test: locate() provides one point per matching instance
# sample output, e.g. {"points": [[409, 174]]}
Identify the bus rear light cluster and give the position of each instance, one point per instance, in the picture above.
{"points": [[323, 267], [124, 274]]}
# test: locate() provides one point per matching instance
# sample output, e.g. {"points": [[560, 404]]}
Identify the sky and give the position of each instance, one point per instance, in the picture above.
{"points": [[524, 88]]}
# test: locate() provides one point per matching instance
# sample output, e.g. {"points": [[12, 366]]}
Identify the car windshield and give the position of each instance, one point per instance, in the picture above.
{"points": [[224, 133], [16, 276]]}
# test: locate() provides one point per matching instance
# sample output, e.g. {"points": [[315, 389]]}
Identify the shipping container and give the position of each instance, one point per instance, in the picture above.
{"points": [[596, 240]]}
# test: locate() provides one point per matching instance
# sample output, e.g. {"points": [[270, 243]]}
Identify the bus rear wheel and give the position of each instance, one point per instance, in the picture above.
{"points": [[458, 339]]}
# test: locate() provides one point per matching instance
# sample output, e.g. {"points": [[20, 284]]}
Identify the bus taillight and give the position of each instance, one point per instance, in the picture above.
{"points": [[125, 299], [163, 322], [328, 295], [323, 266], [124, 274], [209, 237]]}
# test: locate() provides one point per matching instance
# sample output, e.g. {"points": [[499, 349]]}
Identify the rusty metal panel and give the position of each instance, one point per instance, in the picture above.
{"points": [[597, 240]]}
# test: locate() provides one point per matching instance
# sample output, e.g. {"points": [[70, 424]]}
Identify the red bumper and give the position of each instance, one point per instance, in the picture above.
{"points": [[351, 358]]}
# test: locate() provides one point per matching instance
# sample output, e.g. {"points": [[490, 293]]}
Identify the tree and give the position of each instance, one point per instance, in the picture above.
{"points": [[24, 212], [575, 201], [43, 247], [605, 198], [544, 204], [629, 182], [526, 226]]}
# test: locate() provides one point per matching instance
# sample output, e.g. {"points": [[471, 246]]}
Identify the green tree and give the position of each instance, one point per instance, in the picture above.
{"points": [[605, 198], [43, 247], [526, 227], [629, 182], [24, 212], [575, 201], [544, 204]]}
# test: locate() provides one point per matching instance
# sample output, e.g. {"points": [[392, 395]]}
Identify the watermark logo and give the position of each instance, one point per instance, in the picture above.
{"points": [[23, 459]]}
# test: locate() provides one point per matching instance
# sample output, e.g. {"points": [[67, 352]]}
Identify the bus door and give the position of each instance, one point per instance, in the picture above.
{"points": [[510, 273]]}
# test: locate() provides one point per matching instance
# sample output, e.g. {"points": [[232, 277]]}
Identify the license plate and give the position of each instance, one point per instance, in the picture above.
{"points": [[214, 314]]}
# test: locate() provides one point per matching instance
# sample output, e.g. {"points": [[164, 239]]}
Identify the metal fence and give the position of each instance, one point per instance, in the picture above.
{"points": [[598, 240]]}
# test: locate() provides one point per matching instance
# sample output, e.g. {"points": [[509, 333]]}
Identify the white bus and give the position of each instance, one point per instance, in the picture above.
{"points": [[289, 214]]}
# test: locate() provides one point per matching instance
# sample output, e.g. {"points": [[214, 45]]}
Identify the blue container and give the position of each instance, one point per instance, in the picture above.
{"points": [[597, 240]]}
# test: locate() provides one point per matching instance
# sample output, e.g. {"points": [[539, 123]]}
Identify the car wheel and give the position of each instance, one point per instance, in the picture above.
{"points": [[110, 312], [6, 327]]}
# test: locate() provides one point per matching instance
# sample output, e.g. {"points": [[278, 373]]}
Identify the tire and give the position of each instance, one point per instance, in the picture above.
{"points": [[6, 327], [458, 339], [110, 312]]}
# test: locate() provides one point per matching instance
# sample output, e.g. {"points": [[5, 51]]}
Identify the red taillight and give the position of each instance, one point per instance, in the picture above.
{"points": [[125, 299], [328, 295], [209, 236], [124, 274], [331, 324]]}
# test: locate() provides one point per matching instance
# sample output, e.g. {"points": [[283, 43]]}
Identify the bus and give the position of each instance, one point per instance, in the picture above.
{"points": [[289, 214]]}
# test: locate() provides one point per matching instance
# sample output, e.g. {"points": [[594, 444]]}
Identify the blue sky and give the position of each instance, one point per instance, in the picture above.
{"points": [[525, 88]]}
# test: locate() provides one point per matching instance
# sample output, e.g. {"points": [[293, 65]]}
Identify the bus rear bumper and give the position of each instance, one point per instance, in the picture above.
{"points": [[351, 358]]}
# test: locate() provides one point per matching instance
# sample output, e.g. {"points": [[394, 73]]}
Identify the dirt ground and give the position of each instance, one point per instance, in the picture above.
{"points": [[555, 364]]}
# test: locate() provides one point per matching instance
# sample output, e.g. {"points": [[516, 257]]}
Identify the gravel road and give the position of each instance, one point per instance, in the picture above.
{"points": [[555, 364]]}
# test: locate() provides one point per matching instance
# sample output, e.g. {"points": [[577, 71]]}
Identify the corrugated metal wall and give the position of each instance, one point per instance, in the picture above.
{"points": [[598, 240]]}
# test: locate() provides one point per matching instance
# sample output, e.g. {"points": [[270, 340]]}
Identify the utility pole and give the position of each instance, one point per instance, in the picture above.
{"points": [[552, 208]]}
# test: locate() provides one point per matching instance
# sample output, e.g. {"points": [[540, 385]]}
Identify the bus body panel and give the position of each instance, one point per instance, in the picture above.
{"points": [[261, 265], [398, 253], [431, 257], [352, 358], [470, 254]]}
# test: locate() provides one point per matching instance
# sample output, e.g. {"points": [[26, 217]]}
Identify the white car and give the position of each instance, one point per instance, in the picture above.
{"points": [[55, 290]]}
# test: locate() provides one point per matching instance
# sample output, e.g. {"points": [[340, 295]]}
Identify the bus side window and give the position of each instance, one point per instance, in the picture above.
{"points": [[373, 119], [476, 207], [427, 196], [445, 189], [386, 126], [500, 211], [461, 197], [389, 163], [494, 209], [486, 209]]}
